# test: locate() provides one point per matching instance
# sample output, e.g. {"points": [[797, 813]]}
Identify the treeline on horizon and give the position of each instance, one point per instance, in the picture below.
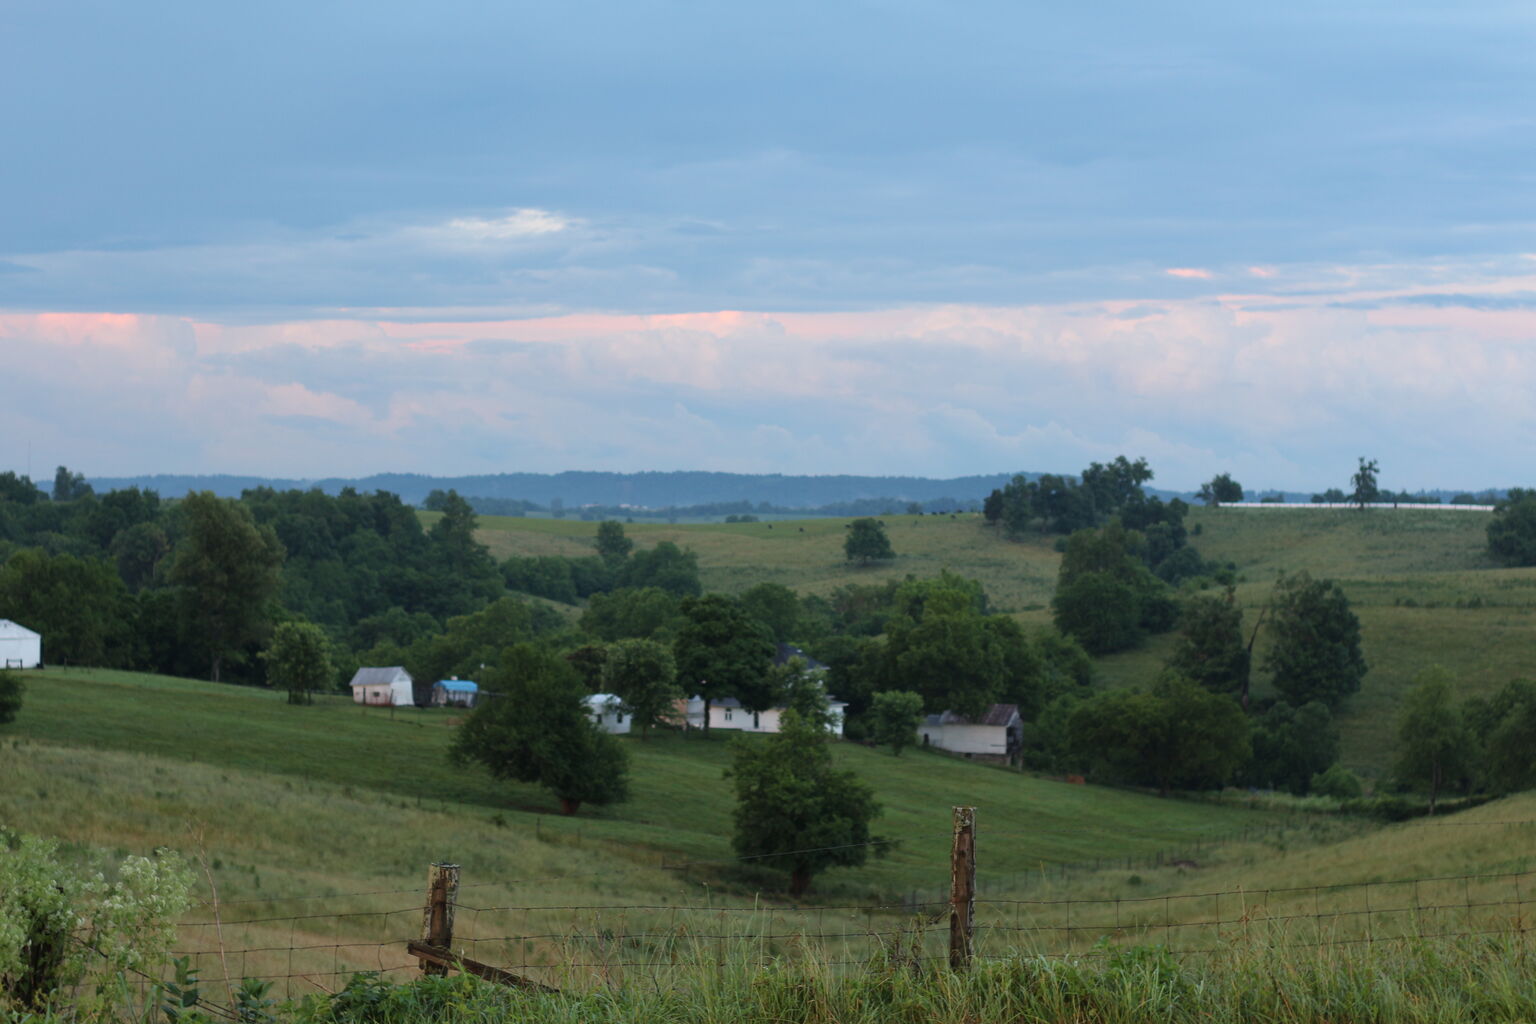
{"points": [[693, 495], [659, 491], [198, 586]]}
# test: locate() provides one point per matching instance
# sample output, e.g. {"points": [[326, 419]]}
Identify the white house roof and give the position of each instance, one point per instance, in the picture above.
{"points": [[15, 631], [604, 699], [379, 676], [996, 714]]}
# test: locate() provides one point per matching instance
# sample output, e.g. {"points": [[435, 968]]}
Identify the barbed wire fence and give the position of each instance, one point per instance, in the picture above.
{"points": [[537, 944]]}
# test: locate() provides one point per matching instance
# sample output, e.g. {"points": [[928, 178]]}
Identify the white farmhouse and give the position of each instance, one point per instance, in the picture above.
{"points": [[727, 713], [995, 736], [390, 687], [607, 711], [19, 646]]}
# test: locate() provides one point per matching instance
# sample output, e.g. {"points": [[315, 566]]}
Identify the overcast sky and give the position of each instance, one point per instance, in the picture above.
{"points": [[900, 237]]}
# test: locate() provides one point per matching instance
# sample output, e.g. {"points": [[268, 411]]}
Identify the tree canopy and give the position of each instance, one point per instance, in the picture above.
{"points": [[722, 651], [537, 729], [643, 675], [1364, 483], [228, 567], [1219, 489], [1315, 654], [1210, 649], [299, 661], [1105, 595], [866, 542], [612, 546], [796, 812], [1512, 530], [1434, 743], [1177, 735], [894, 718]]}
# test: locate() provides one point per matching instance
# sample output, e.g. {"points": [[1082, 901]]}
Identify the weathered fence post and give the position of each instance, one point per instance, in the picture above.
{"points": [[437, 921], [962, 889]]}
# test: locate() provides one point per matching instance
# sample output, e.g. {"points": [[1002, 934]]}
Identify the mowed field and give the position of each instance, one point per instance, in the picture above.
{"points": [[1421, 582]]}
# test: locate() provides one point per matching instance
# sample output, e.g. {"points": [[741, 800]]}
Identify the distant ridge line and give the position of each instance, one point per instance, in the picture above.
{"points": [[654, 489]]}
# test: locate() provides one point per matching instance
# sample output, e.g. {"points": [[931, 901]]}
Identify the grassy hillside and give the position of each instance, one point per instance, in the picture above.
{"points": [[314, 826], [808, 555], [1421, 581], [681, 805]]}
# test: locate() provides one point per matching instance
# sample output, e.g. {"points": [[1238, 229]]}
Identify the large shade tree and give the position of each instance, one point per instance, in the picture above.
{"points": [[722, 651], [536, 728], [795, 811], [228, 568], [1315, 654]]}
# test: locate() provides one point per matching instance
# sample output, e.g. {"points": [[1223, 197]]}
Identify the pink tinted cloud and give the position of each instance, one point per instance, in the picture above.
{"points": [[1199, 273], [880, 390]]}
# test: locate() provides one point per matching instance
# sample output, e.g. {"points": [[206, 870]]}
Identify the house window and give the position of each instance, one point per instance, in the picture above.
{"points": [[727, 714]]}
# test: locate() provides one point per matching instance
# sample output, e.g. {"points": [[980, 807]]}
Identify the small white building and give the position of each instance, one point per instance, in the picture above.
{"points": [[727, 713], [995, 736], [390, 687], [19, 646], [607, 711]]}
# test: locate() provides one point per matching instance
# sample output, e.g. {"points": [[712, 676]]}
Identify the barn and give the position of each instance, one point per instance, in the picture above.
{"points": [[391, 686], [995, 736], [19, 646]]}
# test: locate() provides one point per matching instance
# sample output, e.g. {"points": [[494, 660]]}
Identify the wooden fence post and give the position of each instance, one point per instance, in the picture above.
{"points": [[962, 889], [437, 921]]}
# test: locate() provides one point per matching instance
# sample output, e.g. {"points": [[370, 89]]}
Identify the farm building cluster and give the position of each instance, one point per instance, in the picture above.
{"points": [[996, 735]]}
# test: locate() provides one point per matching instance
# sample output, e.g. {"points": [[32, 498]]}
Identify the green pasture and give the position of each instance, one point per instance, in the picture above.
{"points": [[681, 804], [1421, 581]]}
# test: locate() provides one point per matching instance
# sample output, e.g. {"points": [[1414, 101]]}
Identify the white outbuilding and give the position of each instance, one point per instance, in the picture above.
{"points": [[19, 646], [390, 687], [607, 711]]}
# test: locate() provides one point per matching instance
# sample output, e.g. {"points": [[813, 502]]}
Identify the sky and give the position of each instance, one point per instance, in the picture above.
{"points": [[334, 238]]}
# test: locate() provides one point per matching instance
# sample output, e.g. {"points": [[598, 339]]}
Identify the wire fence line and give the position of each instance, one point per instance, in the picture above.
{"points": [[320, 949]]}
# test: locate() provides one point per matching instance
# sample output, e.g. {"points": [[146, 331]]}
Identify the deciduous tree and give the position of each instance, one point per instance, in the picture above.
{"points": [[1210, 649], [537, 729], [1504, 728], [299, 661], [1178, 735], [721, 651], [612, 546], [1512, 530], [1364, 483], [1219, 489], [229, 568], [894, 716], [643, 675], [795, 812], [1316, 651], [866, 542], [1434, 744]]}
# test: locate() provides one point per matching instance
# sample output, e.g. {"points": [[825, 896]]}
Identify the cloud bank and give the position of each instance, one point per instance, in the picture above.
{"points": [[1283, 390]]}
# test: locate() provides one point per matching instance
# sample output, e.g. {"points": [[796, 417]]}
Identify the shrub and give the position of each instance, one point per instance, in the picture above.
{"points": [[55, 923], [1337, 781]]}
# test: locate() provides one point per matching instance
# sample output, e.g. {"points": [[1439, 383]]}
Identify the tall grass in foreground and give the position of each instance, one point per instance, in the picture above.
{"points": [[1467, 979]]}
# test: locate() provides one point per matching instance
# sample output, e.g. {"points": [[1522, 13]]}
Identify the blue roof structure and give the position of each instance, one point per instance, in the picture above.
{"points": [[458, 685]]}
